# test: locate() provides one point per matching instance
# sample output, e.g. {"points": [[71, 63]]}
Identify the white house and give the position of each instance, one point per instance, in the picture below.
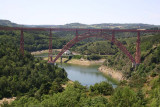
{"points": [[67, 52]]}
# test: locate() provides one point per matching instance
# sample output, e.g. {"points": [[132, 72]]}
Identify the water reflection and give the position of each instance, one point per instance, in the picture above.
{"points": [[86, 75]]}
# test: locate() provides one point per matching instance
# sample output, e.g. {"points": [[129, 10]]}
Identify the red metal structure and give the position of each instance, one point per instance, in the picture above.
{"points": [[50, 47], [95, 34], [108, 34]]}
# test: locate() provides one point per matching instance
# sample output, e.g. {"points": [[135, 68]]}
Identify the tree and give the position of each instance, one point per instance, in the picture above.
{"points": [[125, 97], [102, 88]]}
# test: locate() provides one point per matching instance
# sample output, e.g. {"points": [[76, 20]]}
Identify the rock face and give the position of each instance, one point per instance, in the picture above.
{"points": [[9, 100], [112, 73]]}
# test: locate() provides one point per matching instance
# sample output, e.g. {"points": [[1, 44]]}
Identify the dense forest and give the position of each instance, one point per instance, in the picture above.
{"points": [[25, 75], [35, 83]]}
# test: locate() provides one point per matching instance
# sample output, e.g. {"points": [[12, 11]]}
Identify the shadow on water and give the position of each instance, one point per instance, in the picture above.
{"points": [[86, 75]]}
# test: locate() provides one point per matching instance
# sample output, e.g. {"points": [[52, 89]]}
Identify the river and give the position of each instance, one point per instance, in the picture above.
{"points": [[86, 75]]}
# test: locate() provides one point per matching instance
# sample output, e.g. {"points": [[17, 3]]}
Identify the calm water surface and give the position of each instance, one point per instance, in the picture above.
{"points": [[86, 75]]}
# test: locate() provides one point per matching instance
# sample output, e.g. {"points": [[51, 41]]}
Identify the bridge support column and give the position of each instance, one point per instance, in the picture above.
{"points": [[22, 43], [138, 51], [61, 60], [76, 34], [50, 48]]}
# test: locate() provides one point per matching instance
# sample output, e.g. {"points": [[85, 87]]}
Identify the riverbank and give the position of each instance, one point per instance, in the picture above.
{"points": [[111, 73], [86, 62], [81, 61]]}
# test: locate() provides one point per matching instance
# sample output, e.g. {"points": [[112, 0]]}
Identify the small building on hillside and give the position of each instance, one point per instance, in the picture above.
{"points": [[67, 52]]}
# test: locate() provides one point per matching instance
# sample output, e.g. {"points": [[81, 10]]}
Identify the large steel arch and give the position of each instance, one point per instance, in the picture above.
{"points": [[103, 35]]}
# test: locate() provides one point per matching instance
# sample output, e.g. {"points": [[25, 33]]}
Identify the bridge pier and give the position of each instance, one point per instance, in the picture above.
{"points": [[61, 60], [50, 53], [113, 36]]}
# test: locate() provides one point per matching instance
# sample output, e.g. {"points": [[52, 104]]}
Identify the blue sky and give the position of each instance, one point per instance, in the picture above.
{"points": [[83, 11]]}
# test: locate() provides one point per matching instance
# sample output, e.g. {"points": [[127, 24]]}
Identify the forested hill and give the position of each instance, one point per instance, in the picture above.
{"points": [[8, 23], [25, 75], [79, 25]]}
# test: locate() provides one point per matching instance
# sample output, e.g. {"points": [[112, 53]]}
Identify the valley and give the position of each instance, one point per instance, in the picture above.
{"points": [[33, 81]]}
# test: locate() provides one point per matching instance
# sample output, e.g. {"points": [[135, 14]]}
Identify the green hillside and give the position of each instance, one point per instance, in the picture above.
{"points": [[8, 23], [26, 75]]}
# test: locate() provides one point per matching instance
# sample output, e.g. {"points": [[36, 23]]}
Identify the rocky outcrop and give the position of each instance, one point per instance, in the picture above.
{"points": [[111, 72], [7, 100]]}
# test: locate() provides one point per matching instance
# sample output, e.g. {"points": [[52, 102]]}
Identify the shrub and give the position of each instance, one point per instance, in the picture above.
{"points": [[125, 97], [77, 56], [101, 88], [93, 57]]}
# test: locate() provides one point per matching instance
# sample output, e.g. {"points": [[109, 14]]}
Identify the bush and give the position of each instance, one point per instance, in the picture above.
{"points": [[101, 88], [125, 97], [93, 57], [137, 81], [153, 74], [77, 56], [155, 82]]}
